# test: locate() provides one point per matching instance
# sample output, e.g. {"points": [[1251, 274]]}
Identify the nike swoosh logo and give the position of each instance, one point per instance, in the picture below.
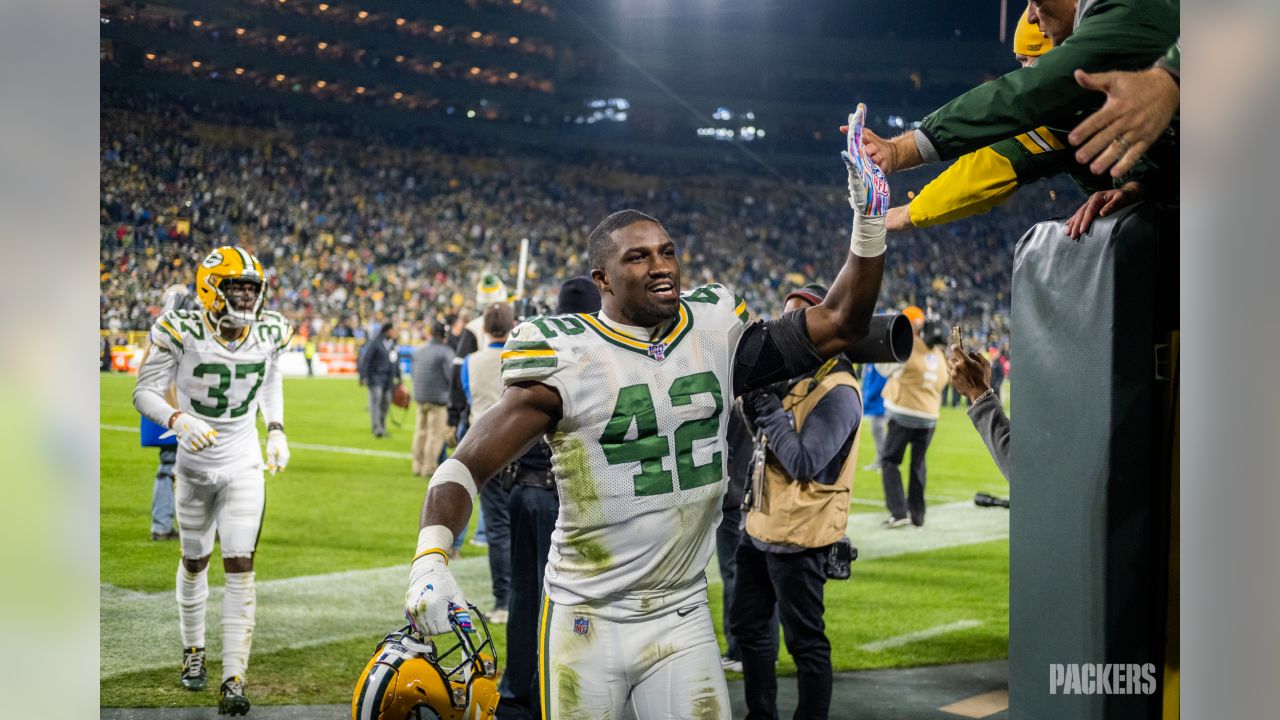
{"points": [[684, 611]]}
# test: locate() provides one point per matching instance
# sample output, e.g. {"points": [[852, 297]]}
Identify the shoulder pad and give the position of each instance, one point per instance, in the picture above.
{"points": [[720, 296], [536, 349], [272, 328]]}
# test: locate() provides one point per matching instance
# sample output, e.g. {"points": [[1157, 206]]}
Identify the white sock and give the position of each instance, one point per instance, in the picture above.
{"points": [[238, 605], [192, 594]]}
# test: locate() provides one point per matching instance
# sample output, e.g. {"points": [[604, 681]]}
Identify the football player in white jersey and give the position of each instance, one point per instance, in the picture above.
{"points": [[223, 359], [632, 401]]}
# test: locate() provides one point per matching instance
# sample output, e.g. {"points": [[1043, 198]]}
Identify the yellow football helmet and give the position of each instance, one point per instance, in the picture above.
{"points": [[408, 680], [229, 263]]}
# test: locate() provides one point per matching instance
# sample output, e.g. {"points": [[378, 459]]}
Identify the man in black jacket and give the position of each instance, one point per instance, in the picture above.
{"points": [[380, 372]]}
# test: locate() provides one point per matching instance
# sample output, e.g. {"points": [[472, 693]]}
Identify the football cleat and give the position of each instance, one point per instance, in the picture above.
{"points": [[193, 672], [233, 700], [408, 677], [223, 265]]}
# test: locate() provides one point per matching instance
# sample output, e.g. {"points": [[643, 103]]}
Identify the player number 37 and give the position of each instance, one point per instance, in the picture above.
{"points": [[635, 405]]}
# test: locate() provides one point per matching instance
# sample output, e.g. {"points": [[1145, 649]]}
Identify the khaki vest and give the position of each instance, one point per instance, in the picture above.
{"points": [[917, 390], [806, 513], [484, 377]]}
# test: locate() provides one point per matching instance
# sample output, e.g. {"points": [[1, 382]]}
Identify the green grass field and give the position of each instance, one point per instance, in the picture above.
{"points": [[340, 529]]}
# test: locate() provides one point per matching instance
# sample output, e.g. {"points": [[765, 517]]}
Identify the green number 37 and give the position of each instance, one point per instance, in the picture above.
{"points": [[635, 405], [218, 393]]}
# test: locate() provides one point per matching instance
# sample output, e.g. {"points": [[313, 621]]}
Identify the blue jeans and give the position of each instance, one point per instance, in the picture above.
{"points": [[162, 495]]}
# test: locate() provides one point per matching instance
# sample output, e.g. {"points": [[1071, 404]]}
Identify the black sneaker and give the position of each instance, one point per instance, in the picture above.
{"points": [[233, 700], [193, 673], [170, 535]]}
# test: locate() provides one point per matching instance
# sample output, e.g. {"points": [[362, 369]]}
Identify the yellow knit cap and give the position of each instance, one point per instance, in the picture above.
{"points": [[1028, 40]]}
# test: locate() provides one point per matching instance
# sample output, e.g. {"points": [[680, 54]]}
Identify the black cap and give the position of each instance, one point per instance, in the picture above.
{"points": [[578, 295], [813, 293]]}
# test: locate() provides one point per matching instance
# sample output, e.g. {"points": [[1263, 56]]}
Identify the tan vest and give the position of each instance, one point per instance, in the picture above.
{"points": [[917, 390], [806, 513], [484, 378]]}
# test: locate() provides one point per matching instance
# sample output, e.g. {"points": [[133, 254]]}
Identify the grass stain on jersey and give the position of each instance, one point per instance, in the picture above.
{"points": [[573, 473]]}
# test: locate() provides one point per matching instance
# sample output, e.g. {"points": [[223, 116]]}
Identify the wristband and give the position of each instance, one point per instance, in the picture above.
{"points": [[868, 237]]}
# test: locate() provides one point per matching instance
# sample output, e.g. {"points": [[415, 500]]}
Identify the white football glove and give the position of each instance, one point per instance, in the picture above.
{"points": [[434, 597], [277, 451], [868, 191], [193, 433]]}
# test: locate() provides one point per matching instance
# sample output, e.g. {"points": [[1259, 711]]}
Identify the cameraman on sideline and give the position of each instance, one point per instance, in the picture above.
{"points": [[804, 463]]}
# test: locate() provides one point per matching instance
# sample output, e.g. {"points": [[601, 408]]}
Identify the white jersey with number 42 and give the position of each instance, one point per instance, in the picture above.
{"points": [[639, 454], [217, 381]]}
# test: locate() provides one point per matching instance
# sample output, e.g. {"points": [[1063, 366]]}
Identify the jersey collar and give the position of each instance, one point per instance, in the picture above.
{"points": [[657, 350]]}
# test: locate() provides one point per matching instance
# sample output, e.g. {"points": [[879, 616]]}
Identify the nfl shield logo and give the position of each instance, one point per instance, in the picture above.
{"points": [[581, 626], [658, 351]]}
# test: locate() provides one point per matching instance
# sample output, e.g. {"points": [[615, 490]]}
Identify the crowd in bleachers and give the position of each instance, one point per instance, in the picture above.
{"points": [[355, 231]]}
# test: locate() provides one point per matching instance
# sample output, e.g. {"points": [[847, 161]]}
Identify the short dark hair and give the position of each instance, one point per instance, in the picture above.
{"points": [[600, 242], [438, 330], [499, 318]]}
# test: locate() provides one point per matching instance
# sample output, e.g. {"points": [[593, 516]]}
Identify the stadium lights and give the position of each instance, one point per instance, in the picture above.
{"points": [[515, 2], [359, 89], [362, 14], [320, 84], [475, 71], [437, 28], [322, 45], [400, 22], [239, 71], [197, 23], [239, 31], [471, 113], [513, 75], [513, 40], [475, 34], [151, 56], [281, 38], [280, 77], [398, 95], [436, 65], [195, 63], [324, 7], [399, 58]]}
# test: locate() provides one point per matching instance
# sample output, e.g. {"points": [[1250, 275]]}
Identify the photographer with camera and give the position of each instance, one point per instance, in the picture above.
{"points": [[798, 509], [912, 399]]}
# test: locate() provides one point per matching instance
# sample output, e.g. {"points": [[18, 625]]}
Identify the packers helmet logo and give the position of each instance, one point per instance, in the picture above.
{"points": [[214, 260]]}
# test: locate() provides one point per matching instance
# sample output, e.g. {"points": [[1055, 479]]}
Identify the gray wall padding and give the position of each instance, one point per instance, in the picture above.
{"points": [[1086, 552]]}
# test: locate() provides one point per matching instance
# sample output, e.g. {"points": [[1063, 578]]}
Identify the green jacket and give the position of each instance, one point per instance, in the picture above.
{"points": [[1111, 35]]}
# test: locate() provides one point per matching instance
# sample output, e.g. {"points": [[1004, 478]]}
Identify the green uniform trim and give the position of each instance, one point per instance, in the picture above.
{"points": [[528, 364]]}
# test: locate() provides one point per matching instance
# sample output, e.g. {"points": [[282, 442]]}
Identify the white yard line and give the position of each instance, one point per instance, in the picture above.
{"points": [[305, 446], [900, 640]]}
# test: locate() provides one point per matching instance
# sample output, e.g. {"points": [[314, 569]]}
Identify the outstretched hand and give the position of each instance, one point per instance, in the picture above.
{"points": [[1139, 106], [868, 188]]}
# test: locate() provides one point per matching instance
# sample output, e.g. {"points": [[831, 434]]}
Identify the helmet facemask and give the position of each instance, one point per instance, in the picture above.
{"points": [[237, 312]]}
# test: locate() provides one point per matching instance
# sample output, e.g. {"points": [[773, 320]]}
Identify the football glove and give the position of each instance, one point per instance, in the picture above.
{"points": [[277, 451], [193, 433], [868, 191], [434, 598]]}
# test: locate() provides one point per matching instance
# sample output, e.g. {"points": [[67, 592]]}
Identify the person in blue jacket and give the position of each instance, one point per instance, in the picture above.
{"points": [[873, 409]]}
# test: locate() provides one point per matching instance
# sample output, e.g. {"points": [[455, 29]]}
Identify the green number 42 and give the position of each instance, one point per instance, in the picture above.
{"points": [[635, 406]]}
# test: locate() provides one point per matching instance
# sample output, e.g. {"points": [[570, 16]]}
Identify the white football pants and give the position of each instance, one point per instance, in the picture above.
{"points": [[230, 504], [665, 666]]}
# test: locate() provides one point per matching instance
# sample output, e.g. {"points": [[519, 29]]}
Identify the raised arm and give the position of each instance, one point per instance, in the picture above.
{"points": [[844, 316]]}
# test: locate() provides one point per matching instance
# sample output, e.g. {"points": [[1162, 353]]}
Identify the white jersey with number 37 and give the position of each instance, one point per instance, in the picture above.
{"points": [[639, 454], [217, 381]]}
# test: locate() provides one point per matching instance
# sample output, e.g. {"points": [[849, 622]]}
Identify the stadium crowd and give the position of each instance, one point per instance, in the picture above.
{"points": [[360, 231]]}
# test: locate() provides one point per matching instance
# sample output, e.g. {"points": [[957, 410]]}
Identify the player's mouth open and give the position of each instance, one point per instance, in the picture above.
{"points": [[664, 290]]}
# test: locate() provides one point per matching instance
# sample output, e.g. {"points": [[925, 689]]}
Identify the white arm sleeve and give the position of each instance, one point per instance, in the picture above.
{"points": [[272, 399], [158, 371]]}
